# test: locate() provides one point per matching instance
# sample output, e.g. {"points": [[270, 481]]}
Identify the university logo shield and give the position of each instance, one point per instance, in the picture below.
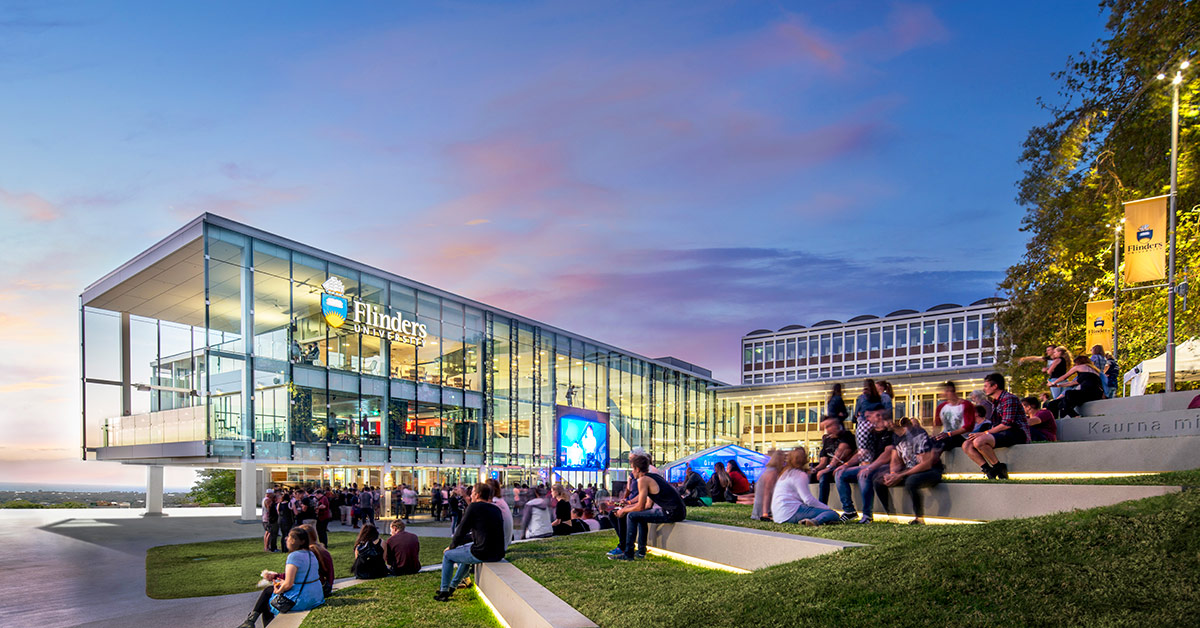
{"points": [[1145, 233], [1099, 322], [335, 309], [334, 305]]}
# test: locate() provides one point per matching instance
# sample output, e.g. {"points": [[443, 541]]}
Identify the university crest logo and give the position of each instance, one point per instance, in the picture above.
{"points": [[1099, 322], [1145, 233], [334, 305]]}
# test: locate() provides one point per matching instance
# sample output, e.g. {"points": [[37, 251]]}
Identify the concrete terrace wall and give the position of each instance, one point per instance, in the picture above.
{"points": [[1133, 455], [744, 548], [524, 603], [988, 502]]}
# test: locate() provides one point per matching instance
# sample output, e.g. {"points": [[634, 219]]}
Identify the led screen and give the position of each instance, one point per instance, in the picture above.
{"points": [[582, 443]]}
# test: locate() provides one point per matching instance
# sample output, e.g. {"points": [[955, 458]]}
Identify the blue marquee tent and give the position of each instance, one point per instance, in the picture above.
{"points": [[702, 462]]}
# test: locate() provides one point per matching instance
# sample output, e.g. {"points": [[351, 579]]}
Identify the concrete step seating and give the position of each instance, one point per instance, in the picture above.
{"points": [[1101, 457], [735, 548], [958, 502], [1145, 416]]}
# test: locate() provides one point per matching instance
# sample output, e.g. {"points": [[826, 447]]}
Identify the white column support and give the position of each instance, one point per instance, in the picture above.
{"points": [[154, 491], [248, 486]]}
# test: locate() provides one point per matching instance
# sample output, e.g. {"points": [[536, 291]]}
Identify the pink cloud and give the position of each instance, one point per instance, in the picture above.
{"points": [[31, 206]]}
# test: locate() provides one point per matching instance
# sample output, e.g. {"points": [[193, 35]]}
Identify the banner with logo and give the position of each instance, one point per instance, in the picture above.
{"points": [[1146, 240], [1099, 325]]}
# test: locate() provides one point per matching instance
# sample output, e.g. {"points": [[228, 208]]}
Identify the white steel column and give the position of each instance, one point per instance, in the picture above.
{"points": [[248, 479], [154, 491]]}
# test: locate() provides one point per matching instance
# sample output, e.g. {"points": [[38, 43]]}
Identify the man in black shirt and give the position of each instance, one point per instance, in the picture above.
{"points": [[478, 539], [651, 488], [837, 445]]}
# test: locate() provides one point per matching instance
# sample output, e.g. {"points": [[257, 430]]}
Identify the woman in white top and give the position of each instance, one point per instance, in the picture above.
{"points": [[792, 502], [505, 510]]}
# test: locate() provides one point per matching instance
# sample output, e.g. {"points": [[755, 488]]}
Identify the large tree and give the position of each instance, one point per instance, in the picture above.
{"points": [[1108, 141]]}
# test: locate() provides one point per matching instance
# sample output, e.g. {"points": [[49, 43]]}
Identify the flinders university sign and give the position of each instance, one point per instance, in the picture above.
{"points": [[367, 318]]}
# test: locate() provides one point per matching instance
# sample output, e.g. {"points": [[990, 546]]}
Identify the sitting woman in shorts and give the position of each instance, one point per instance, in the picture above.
{"points": [[299, 584]]}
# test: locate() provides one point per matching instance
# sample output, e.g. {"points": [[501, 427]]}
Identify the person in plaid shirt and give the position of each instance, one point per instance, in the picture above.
{"points": [[1009, 427], [916, 464], [874, 454]]}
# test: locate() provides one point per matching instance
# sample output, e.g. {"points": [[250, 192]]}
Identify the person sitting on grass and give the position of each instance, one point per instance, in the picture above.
{"points": [[368, 554], [653, 490], [1042, 426], [402, 551], [874, 437], [837, 445], [478, 539], [695, 491], [956, 417], [916, 464], [776, 463], [324, 559], [792, 501], [738, 482], [1009, 428], [299, 585], [719, 485]]}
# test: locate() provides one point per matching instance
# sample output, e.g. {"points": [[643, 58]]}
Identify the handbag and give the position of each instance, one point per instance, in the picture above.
{"points": [[280, 601]]}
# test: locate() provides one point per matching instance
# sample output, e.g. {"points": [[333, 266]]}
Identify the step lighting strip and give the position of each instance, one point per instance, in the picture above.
{"points": [[697, 562], [1049, 476]]}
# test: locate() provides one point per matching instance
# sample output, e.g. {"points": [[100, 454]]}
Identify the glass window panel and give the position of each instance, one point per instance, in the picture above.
{"points": [[308, 414], [308, 326], [989, 329], [901, 336], [791, 349], [875, 339], [862, 341], [429, 356], [769, 352], [889, 335], [826, 345], [943, 331], [929, 339], [914, 335], [972, 328], [850, 342], [837, 344], [956, 330]]}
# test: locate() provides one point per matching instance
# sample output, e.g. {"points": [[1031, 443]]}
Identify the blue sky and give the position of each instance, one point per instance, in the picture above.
{"points": [[660, 176]]}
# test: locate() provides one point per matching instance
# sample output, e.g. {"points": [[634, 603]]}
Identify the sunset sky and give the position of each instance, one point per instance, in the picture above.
{"points": [[664, 177]]}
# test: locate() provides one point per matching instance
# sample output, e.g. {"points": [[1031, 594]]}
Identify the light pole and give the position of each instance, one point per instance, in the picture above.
{"points": [[1116, 281], [1175, 82]]}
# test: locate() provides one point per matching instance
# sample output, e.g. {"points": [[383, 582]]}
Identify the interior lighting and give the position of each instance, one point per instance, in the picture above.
{"points": [[488, 603], [696, 562]]}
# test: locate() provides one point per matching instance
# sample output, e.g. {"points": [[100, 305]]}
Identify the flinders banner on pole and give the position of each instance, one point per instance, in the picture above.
{"points": [[1146, 240], [1100, 325]]}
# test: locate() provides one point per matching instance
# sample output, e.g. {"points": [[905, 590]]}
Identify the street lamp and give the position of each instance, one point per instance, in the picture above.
{"points": [[1175, 82]]}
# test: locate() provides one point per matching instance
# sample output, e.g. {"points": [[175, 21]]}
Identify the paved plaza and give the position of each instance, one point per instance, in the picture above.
{"points": [[87, 567]]}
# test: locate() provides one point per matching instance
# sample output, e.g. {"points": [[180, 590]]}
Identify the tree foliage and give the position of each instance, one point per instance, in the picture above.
{"points": [[214, 486], [1108, 142]]}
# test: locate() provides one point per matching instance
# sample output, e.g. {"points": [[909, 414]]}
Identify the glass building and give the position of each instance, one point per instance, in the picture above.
{"points": [[787, 374], [224, 345]]}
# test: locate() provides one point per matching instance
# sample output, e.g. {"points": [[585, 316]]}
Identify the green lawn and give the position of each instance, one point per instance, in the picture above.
{"points": [[406, 601], [1170, 478], [1132, 564], [224, 567]]}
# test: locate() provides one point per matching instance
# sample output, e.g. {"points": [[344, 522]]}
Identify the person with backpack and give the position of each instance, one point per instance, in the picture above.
{"points": [[368, 554]]}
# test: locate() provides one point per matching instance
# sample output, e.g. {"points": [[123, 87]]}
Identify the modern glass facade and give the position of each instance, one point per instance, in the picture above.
{"points": [[255, 347]]}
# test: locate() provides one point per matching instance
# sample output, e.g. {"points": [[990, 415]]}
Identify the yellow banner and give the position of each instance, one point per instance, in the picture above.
{"points": [[1146, 240], [1099, 325]]}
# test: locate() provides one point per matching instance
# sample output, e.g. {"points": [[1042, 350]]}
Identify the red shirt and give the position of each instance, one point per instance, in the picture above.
{"points": [[402, 553], [1047, 426], [739, 484]]}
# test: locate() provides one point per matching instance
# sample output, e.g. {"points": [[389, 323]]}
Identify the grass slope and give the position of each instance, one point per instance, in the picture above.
{"points": [[1132, 564], [225, 567], [406, 601]]}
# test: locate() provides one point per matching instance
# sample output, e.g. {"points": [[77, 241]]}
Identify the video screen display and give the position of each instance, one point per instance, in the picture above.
{"points": [[582, 443]]}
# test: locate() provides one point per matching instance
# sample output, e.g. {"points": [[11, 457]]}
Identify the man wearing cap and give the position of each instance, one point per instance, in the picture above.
{"points": [[874, 455]]}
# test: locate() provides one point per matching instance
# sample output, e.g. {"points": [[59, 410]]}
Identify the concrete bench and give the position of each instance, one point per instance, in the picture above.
{"points": [[521, 601], [742, 548], [988, 502], [1140, 404], [1131, 455]]}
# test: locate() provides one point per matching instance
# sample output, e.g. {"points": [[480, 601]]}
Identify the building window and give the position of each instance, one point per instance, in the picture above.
{"points": [[769, 353], [914, 335], [989, 330], [801, 348], [943, 331], [928, 339], [825, 345], [943, 361], [956, 330], [889, 334], [972, 328], [973, 359], [791, 349], [901, 336], [956, 360], [849, 343], [837, 343], [862, 341]]}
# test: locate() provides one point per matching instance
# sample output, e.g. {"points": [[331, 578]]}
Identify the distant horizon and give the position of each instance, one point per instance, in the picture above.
{"points": [[83, 488]]}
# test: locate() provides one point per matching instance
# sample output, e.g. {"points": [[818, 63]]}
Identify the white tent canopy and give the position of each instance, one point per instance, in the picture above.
{"points": [[1154, 370]]}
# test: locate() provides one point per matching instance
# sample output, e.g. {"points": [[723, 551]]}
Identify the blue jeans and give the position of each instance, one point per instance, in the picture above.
{"points": [[823, 487], [865, 484], [820, 516], [464, 558], [637, 527]]}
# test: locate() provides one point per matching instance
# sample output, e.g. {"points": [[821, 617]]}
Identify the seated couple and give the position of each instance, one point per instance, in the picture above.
{"points": [[400, 555]]}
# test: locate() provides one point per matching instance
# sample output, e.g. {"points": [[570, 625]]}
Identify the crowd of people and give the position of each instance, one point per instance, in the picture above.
{"points": [[879, 454]]}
